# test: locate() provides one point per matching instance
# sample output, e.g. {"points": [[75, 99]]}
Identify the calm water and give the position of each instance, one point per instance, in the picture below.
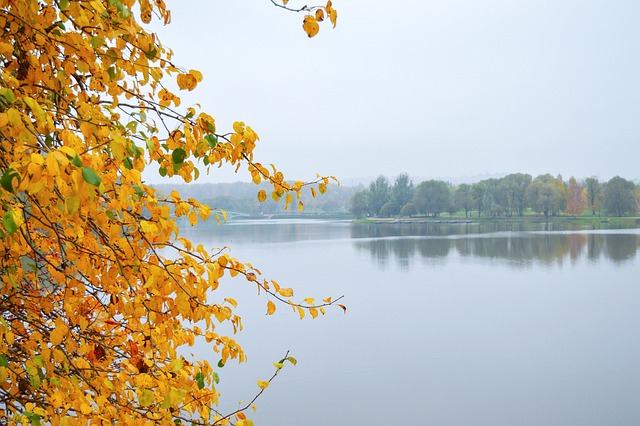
{"points": [[446, 324]]}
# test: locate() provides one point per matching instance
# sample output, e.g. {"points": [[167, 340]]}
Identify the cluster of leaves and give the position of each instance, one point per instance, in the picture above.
{"points": [[93, 311], [314, 15]]}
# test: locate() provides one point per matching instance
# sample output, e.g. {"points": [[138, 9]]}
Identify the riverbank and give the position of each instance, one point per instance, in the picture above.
{"points": [[617, 222]]}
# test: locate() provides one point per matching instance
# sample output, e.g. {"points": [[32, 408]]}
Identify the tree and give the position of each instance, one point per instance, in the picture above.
{"points": [[401, 192], [620, 196], [478, 190], [378, 195], [432, 197], [576, 198], [360, 203], [98, 290], [593, 189], [464, 198], [515, 187], [408, 209], [546, 194]]}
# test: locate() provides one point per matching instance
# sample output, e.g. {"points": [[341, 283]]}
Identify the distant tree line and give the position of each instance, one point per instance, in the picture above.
{"points": [[241, 197], [509, 196]]}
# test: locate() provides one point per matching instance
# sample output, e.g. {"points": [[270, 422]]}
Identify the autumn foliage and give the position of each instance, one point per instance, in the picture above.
{"points": [[99, 292]]}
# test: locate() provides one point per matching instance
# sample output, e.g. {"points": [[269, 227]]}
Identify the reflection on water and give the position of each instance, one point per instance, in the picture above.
{"points": [[518, 245]]}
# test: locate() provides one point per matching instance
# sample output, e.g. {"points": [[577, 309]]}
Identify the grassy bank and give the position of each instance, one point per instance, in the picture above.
{"points": [[617, 222]]}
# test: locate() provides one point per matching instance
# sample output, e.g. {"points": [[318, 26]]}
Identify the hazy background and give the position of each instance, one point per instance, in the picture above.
{"points": [[437, 89]]}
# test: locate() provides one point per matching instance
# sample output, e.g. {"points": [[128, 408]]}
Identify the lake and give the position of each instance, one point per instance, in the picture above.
{"points": [[459, 324]]}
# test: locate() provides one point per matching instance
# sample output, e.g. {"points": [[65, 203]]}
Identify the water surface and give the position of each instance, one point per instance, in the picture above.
{"points": [[446, 324]]}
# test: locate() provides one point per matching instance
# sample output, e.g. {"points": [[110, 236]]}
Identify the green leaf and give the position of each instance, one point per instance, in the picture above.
{"points": [[37, 360], [216, 378], [97, 42], [151, 55], [8, 222], [200, 380], [76, 161], [138, 190], [212, 139], [128, 164], [7, 179], [163, 171], [33, 418], [111, 71], [64, 4], [7, 93], [178, 156], [221, 363], [3, 361], [90, 176]]}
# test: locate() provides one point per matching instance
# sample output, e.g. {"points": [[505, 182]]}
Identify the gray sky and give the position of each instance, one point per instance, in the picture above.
{"points": [[436, 89]]}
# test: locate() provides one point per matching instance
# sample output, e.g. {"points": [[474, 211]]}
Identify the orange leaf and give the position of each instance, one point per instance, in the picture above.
{"points": [[271, 307]]}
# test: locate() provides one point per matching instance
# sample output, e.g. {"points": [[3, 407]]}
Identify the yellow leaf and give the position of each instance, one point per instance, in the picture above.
{"points": [[146, 397], [300, 311], [256, 178], [238, 127], [193, 217], [285, 292], [319, 15], [262, 384], [271, 307], [300, 206], [310, 25], [262, 195], [196, 74], [187, 81], [313, 312]]}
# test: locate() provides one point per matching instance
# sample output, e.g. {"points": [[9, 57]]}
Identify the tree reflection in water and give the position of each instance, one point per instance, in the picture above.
{"points": [[517, 244]]}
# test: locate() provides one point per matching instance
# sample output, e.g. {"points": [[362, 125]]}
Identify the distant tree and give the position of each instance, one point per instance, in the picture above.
{"points": [[432, 197], [379, 194], [594, 190], [495, 198], [409, 210], [452, 205], [478, 190], [514, 188], [546, 194], [401, 192], [464, 198], [387, 210], [359, 205], [620, 196], [576, 198]]}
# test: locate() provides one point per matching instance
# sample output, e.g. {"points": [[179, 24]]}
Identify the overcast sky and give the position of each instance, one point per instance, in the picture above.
{"points": [[436, 89]]}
